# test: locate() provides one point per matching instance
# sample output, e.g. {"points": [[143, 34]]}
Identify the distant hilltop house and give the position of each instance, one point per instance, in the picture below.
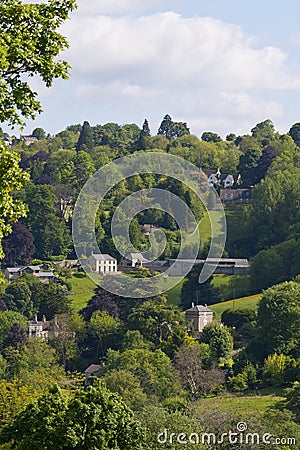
{"points": [[102, 263], [235, 196], [148, 228], [27, 140], [11, 273], [39, 328], [216, 178], [8, 141], [198, 317], [45, 329]]}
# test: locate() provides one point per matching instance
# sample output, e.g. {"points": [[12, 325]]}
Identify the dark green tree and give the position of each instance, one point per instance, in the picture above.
{"points": [[237, 318], [86, 140], [39, 133], [159, 323], [165, 127], [294, 132], [19, 298], [7, 320], [208, 136], [231, 137], [293, 399], [55, 301], [16, 337], [146, 128], [145, 134], [247, 162], [172, 130]]}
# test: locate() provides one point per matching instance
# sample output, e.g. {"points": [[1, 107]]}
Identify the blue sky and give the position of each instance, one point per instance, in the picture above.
{"points": [[221, 66]]}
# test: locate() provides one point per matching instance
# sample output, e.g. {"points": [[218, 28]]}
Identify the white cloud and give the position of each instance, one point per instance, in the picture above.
{"points": [[169, 51], [199, 69]]}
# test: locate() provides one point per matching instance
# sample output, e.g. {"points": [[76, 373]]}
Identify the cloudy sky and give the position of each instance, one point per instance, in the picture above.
{"points": [[219, 65]]}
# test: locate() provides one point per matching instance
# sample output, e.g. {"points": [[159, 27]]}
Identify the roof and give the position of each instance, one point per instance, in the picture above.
{"points": [[102, 257], [13, 269], [199, 308], [93, 368], [211, 172], [138, 256], [45, 274], [33, 268], [224, 261], [234, 194]]}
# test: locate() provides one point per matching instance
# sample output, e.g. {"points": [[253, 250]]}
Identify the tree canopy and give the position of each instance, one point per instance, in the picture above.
{"points": [[29, 45]]}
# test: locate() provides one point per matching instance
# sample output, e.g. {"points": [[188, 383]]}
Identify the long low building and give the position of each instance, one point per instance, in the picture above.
{"points": [[11, 273], [225, 266]]}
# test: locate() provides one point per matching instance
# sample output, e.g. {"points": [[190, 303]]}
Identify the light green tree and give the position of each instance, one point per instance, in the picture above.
{"points": [[29, 45], [219, 339], [277, 368], [278, 322], [88, 420], [12, 179]]}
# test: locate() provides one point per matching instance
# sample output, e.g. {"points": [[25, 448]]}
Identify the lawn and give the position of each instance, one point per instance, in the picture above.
{"points": [[247, 404], [239, 303], [83, 290], [173, 295], [205, 227]]}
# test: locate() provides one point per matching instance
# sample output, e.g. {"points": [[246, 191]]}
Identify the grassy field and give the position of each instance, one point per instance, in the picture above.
{"points": [[173, 295], [205, 228], [83, 289], [245, 404], [239, 303]]}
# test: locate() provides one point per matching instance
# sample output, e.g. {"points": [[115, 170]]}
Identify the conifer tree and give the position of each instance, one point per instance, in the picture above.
{"points": [[144, 136], [85, 141]]}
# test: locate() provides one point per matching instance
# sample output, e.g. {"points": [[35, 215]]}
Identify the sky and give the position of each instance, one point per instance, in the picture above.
{"points": [[219, 65]]}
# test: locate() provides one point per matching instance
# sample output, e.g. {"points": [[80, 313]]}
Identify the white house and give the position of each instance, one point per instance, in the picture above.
{"points": [[213, 176], [229, 180], [102, 263], [38, 328], [198, 317], [27, 140], [135, 260]]}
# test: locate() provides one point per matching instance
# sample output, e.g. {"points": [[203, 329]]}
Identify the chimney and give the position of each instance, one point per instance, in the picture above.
{"points": [[44, 319], [36, 318], [193, 305]]}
